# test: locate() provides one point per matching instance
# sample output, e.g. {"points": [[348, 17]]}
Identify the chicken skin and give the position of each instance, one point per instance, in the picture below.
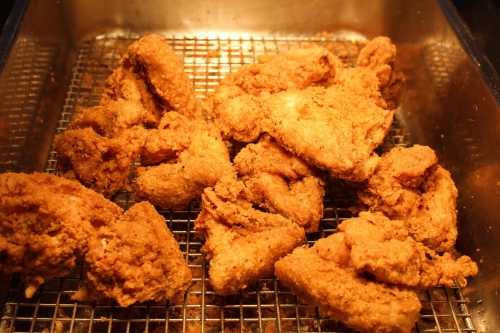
{"points": [[384, 248], [410, 185], [241, 242], [281, 183], [322, 275], [103, 164], [163, 71], [134, 260], [45, 222], [193, 156]]}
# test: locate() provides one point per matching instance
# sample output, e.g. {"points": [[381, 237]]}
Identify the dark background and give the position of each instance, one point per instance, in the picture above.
{"points": [[481, 16]]}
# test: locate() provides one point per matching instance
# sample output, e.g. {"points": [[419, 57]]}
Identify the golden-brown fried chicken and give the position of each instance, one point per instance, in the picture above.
{"points": [[334, 129], [383, 247], [241, 242], [234, 104], [101, 163], [176, 182], [322, 275], [134, 260], [409, 185], [281, 183], [110, 119], [45, 223], [157, 64], [124, 84]]}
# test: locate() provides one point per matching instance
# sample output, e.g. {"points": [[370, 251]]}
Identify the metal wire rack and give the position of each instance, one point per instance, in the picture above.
{"points": [[264, 307]]}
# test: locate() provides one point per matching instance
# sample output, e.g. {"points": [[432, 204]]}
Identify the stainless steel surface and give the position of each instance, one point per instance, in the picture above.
{"points": [[446, 105]]}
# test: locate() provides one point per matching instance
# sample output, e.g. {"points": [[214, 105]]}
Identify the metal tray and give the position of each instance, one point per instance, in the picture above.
{"points": [[48, 75]]}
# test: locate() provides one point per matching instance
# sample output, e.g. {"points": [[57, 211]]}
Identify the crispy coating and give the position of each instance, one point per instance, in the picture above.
{"points": [[384, 248], [134, 260], [101, 163], [109, 119], [124, 84], [281, 183], [175, 183], [241, 242], [45, 223], [322, 275], [234, 104], [155, 62], [333, 129], [408, 184]]}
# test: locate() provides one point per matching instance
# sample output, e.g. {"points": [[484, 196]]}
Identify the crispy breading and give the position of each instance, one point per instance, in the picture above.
{"points": [[45, 223], [408, 184], [157, 64], [241, 242], [101, 163], [322, 275], [124, 84], [175, 183], [234, 104], [134, 260], [384, 248], [281, 183], [333, 128]]}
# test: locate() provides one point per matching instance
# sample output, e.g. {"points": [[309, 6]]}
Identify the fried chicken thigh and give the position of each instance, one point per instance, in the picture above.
{"points": [[384, 248], [134, 260], [281, 182], [45, 223], [410, 185], [242, 243], [193, 155], [322, 275]]}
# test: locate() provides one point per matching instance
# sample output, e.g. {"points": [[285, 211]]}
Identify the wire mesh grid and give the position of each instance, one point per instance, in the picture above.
{"points": [[28, 68], [265, 306]]}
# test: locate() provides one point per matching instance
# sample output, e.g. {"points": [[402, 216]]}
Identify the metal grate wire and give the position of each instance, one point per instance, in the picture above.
{"points": [[264, 307]]}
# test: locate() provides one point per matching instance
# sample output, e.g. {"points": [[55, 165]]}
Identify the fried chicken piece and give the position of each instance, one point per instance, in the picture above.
{"points": [[334, 129], [156, 63], [234, 104], [409, 185], [322, 275], [110, 119], [101, 163], [45, 222], [241, 242], [384, 248], [124, 84], [134, 260], [281, 183], [175, 183]]}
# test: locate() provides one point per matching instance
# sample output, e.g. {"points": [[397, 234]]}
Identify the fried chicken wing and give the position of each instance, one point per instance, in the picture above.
{"points": [[134, 260], [281, 183], [101, 163], [408, 184], [384, 248], [175, 183], [156, 63], [322, 275], [45, 222], [241, 242]]}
